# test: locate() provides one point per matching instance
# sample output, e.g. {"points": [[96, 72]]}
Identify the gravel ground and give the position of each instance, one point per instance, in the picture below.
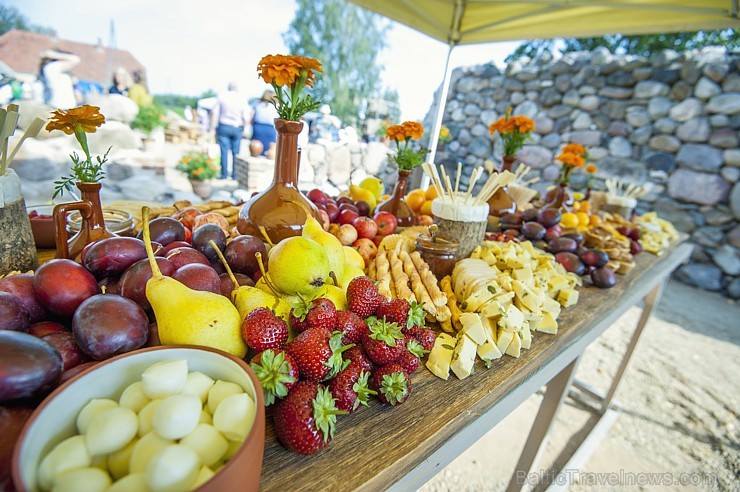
{"points": [[680, 399]]}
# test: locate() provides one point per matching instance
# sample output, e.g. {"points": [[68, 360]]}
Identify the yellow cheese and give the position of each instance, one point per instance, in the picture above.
{"points": [[557, 283], [547, 324], [526, 336], [494, 309], [503, 339], [516, 262], [489, 351], [440, 357], [551, 306], [527, 296], [489, 328], [512, 319], [567, 297], [464, 357], [515, 347], [505, 282], [473, 328], [477, 299]]}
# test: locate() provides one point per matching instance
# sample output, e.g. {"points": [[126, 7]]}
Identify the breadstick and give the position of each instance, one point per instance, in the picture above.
{"points": [[443, 313], [429, 280], [372, 271], [422, 296], [400, 279], [383, 274], [446, 284], [447, 326]]}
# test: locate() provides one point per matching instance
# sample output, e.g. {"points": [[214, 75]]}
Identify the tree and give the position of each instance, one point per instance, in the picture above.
{"points": [[346, 39], [11, 18], [643, 45]]}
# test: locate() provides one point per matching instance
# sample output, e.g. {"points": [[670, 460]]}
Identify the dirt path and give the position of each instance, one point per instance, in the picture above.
{"points": [[680, 398]]}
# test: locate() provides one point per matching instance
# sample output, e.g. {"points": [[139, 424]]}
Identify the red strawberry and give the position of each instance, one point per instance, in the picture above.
{"points": [[358, 355], [384, 342], [415, 320], [305, 419], [318, 353], [426, 338], [394, 311], [320, 312], [350, 388], [263, 330], [363, 297], [392, 383], [410, 356], [277, 372], [352, 326]]}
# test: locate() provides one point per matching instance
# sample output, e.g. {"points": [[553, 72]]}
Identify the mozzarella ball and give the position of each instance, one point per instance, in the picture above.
{"points": [[207, 442], [82, 480], [118, 461], [205, 417], [111, 430], [173, 469], [136, 482], [164, 379], [146, 415], [146, 447], [90, 410], [67, 455], [219, 391], [204, 475], [198, 384], [177, 416], [133, 397], [234, 417]]}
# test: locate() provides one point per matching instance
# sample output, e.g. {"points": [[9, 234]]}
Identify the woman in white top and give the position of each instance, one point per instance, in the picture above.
{"points": [[58, 88], [263, 123]]}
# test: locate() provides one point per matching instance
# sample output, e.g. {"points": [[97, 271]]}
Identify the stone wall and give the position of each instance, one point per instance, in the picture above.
{"points": [[669, 123]]}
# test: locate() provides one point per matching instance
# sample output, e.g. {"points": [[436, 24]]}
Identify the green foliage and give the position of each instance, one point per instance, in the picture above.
{"points": [[149, 118], [643, 45], [84, 171], [197, 166], [175, 100], [408, 158], [346, 39], [11, 18]]}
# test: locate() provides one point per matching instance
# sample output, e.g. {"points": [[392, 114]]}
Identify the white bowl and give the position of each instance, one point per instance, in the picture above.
{"points": [[54, 420]]}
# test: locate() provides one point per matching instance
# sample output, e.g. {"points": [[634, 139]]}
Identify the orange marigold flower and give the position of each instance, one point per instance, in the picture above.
{"points": [[591, 168], [574, 148], [86, 117], [522, 124], [571, 160], [283, 70], [310, 65], [413, 129], [395, 132]]}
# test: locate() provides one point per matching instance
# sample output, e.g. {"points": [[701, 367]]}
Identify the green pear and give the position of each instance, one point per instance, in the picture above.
{"points": [[350, 272], [332, 246], [190, 317], [299, 266]]}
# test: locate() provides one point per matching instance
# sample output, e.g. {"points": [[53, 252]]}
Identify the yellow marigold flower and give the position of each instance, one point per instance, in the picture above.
{"points": [[395, 132], [88, 118], [591, 168], [444, 131], [413, 129], [574, 148]]}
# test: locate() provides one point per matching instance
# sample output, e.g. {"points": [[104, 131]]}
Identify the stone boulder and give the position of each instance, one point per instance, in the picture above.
{"points": [[535, 156], [44, 160], [702, 188], [728, 103], [686, 109], [115, 135], [115, 107], [707, 277], [28, 110], [699, 157]]}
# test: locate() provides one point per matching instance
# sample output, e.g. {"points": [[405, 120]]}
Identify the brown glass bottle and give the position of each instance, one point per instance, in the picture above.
{"points": [[274, 209], [560, 197], [501, 203], [396, 203], [92, 227]]}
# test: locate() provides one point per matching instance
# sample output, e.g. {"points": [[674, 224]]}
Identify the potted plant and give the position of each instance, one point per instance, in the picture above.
{"points": [[147, 120], [200, 170], [572, 156]]}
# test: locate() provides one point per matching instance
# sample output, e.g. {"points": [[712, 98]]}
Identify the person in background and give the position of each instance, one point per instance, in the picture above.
{"points": [[138, 91], [263, 123], [121, 82], [57, 83], [325, 128], [229, 117]]}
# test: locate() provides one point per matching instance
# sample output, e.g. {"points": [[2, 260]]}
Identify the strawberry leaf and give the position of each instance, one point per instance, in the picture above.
{"points": [[383, 331], [416, 315], [273, 371], [416, 348], [362, 389], [325, 412], [394, 387], [336, 363]]}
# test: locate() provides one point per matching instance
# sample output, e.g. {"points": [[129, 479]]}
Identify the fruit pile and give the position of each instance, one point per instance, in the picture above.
{"points": [[337, 361], [656, 233], [498, 297], [420, 201], [170, 431]]}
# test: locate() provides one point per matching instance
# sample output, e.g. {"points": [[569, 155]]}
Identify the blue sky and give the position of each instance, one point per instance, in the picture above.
{"points": [[188, 46]]}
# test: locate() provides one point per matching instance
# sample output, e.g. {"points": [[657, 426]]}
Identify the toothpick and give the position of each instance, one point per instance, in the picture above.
{"points": [[31, 132], [476, 174], [457, 179]]}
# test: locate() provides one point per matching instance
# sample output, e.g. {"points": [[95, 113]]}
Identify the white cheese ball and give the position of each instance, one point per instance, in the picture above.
{"points": [[136, 482], [133, 397], [146, 415], [177, 416], [198, 384], [82, 480], [145, 448], [118, 461], [67, 455], [234, 417], [204, 475], [219, 391], [111, 430], [233, 448], [164, 379], [205, 417], [207, 442], [172, 469], [93, 407]]}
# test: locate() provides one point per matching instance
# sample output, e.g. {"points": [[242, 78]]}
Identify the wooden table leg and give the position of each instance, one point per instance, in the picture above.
{"points": [[557, 390]]}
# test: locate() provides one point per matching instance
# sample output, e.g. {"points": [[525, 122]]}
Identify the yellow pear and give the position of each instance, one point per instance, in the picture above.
{"points": [[352, 257], [374, 185], [190, 317], [350, 272], [364, 195], [299, 266], [337, 296], [331, 245]]}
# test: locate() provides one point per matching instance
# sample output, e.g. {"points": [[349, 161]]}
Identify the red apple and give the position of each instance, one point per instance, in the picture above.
{"points": [[366, 227], [366, 248], [424, 220], [45, 327], [387, 223], [187, 216], [333, 211], [378, 239], [325, 219], [317, 196], [347, 234], [347, 216]]}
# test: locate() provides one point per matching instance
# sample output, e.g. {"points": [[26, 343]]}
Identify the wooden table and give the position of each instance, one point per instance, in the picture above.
{"points": [[401, 448]]}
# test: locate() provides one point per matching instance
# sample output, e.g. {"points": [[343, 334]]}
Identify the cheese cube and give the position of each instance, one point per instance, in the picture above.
{"points": [[551, 306], [523, 274], [503, 339], [505, 299], [505, 282], [494, 309], [558, 283], [489, 328], [487, 256], [440, 356], [529, 248], [526, 335], [512, 319], [516, 262], [473, 328], [515, 347], [548, 324], [476, 300], [527, 296], [464, 357], [489, 351], [567, 297]]}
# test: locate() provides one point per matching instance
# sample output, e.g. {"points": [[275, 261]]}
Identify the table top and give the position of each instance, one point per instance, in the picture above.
{"points": [[382, 446]]}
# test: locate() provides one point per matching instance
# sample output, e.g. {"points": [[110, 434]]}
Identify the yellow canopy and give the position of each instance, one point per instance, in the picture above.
{"points": [[459, 22]]}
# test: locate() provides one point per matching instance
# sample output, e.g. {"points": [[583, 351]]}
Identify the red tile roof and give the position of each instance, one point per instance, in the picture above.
{"points": [[21, 49]]}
